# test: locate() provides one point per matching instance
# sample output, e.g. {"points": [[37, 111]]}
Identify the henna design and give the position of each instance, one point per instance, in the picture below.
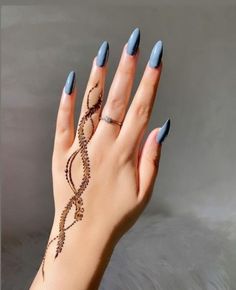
{"points": [[76, 200]]}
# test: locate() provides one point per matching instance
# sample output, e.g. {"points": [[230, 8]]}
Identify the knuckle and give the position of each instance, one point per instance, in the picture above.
{"points": [[142, 111], [148, 87], [124, 156], [65, 108], [116, 104], [126, 70], [61, 128]]}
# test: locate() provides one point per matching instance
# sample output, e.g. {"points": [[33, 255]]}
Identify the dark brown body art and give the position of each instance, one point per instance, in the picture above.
{"points": [[76, 200]]}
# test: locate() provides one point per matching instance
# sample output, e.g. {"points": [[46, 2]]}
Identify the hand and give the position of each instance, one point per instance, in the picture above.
{"points": [[110, 179]]}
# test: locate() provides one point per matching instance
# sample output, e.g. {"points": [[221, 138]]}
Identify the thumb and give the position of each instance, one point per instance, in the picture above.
{"points": [[149, 160]]}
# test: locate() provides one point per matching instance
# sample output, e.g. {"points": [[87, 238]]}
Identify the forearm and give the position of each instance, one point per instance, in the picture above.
{"points": [[82, 263]]}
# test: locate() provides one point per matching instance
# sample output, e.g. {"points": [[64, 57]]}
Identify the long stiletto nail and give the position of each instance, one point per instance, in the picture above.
{"points": [[156, 55], [133, 42], [164, 131], [103, 54], [70, 83]]}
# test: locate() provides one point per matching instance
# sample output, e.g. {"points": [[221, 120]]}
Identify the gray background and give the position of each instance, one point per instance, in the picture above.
{"points": [[186, 238]]}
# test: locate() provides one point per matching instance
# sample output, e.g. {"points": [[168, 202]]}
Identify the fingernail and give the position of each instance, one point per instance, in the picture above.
{"points": [[164, 130], [103, 54], [70, 83], [133, 42], [156, 55]]}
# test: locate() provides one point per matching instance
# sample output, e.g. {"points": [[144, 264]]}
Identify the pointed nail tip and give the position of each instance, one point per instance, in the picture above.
{"points": [[70, 82], [136, 30], [160, 42], [102, 46], [71, 73], [163, 132], [167, 122], [159, 46], [106, 46], [103, 53], [105, 43], [133, 42], [156, 55]]}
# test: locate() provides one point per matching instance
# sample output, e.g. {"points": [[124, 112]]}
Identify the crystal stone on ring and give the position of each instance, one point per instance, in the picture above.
{"points": [[108, 119]]}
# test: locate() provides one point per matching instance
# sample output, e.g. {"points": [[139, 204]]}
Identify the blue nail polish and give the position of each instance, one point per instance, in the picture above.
{"points": [[164, 130], [70, 83], [133, 42], [103, 54], [156, 55]]}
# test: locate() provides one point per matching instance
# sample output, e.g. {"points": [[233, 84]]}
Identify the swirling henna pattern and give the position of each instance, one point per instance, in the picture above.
{"points": [[76, 199]]}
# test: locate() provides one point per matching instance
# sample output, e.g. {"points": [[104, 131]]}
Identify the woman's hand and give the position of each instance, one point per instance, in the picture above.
{"points": [[101, 190]]}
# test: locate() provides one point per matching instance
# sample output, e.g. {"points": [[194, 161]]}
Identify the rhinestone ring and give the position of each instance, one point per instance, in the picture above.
{"points": [[110, 120]]}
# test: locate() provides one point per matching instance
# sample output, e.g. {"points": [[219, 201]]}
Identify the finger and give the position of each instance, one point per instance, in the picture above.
{"points": [[64, 135], [94, 91], [121, 86], [149, 160], [138, 115]]}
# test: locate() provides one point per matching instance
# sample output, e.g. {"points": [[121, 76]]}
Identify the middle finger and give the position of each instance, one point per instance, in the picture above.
{"points": [[121, 86]]}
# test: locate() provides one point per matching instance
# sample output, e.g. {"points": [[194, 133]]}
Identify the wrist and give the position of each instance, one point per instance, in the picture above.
{"points": [[83, 260]]}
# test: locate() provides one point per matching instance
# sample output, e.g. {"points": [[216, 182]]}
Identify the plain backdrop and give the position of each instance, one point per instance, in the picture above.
{"points": [[186, 237]]}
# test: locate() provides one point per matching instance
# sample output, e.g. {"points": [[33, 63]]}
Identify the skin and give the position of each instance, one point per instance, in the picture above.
{"points": [[123, 173]]}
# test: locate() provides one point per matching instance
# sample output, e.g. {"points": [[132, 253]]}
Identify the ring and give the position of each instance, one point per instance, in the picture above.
{"points": [[110, 120]]}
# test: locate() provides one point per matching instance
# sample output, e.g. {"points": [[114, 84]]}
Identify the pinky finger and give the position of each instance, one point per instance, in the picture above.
{"points": [[64, 134], [149, 161]]}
